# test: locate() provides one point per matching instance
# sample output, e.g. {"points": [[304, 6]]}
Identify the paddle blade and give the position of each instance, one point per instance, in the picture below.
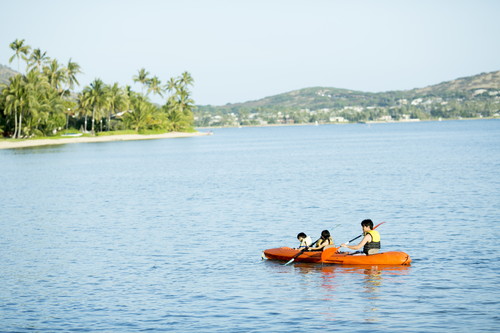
{"points": [[328, 252], [289, 262]]}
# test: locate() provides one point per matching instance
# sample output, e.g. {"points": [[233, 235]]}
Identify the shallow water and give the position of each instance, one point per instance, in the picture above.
{"points": [[167, 235]]}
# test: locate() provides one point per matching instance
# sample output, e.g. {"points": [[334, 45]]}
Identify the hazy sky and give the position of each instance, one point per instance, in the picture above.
{"points": [[246, 50]]}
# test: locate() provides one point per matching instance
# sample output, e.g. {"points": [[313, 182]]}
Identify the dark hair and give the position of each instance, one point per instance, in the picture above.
{"points": [[367, 223], [301, 235], [325, 234]]}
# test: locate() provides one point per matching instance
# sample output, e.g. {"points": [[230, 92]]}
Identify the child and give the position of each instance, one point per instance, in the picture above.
{"points": [[304, 240], [325, 240]]}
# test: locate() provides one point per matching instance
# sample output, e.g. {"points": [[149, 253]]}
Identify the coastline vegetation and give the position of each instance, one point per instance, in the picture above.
{"points": [[42, 101]]}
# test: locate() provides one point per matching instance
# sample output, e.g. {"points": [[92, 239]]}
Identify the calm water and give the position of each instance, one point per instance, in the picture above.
{"points": [[167, 235]]}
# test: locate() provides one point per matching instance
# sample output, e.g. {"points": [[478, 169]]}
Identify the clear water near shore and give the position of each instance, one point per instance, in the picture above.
{"points": [[166, 235]]}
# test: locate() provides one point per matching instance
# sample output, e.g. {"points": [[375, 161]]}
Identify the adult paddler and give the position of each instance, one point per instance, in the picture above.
{"points": [[370, 243]]}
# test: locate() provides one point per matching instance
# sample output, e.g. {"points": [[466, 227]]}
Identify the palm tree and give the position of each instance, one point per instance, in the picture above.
{"points": [[38, 58], [129, 93], [51, 114], [175, 119], [186, 79], [69, 108], [117, 101], [154, 86], [35, 106], [145, 115], [21, 51], [83, 106], [171, 84], [142, 77], [97, 96], [38, 91], [179, 106], [22, 99], [184, 101], [15, 99], [72, 69], [56, 75]]}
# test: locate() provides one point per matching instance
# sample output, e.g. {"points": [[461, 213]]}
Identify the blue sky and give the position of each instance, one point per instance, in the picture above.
{"points": [[246, 50]]}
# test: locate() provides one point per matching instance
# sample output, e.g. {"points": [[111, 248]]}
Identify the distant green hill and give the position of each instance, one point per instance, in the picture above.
{"points": [[474, 96], [6, 73], [468, 85]]}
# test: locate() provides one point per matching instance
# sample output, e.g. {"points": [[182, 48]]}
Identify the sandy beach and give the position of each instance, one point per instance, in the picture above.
{"points": [[6, 144]]}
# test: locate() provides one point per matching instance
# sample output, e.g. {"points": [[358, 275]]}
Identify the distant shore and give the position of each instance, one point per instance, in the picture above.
{"points": [[8, 144], [367, 122]]}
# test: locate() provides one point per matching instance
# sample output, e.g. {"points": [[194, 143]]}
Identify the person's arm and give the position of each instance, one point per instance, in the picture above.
{"points": [[360, 245], [319, 246]]}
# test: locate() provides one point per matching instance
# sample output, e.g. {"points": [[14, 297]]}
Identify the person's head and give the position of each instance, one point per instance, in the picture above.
{"points": [[367, 224], [301, 236], [325, 234]]}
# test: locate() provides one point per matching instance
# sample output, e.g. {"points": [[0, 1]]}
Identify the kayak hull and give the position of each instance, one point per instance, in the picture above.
{"points": [[394, 258], [385, 258], [287, 253]]}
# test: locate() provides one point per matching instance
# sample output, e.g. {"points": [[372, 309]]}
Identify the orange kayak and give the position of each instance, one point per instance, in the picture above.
{"points": [[330, 256], [287, 253]]}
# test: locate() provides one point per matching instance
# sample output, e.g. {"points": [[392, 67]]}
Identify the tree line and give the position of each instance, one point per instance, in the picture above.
{"points": [[42, 101]]}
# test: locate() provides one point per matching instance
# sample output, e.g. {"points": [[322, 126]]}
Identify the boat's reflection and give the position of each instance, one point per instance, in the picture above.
{"points": [[373, 274], [339, 282], [370, 270]]}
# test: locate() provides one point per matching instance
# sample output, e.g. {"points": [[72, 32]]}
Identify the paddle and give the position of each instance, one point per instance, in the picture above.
{"points": [[301, 251], [327, 252]]}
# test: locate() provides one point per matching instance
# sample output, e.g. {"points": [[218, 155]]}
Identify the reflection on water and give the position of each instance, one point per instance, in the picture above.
{"points": [[47, 149], [370, 285], [373, 279]]}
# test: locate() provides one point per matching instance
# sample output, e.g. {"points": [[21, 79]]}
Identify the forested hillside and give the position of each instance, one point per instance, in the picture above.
{"points": [[474, 96], [6, 73]]}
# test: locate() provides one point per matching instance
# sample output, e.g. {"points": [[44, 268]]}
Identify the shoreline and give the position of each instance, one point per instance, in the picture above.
{"points": [[369, 122], [6, 144]]}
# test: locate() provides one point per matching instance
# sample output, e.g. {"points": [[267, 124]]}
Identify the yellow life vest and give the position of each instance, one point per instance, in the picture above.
{"points": [[375, 235], [374, 244]]}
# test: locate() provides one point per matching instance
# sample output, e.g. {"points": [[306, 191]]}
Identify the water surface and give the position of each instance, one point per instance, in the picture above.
{"points": [[166, 235]]}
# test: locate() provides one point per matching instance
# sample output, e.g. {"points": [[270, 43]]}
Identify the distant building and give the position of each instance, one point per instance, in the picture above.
{"points": [[338, 120], [406, 117], [354, 108]]}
